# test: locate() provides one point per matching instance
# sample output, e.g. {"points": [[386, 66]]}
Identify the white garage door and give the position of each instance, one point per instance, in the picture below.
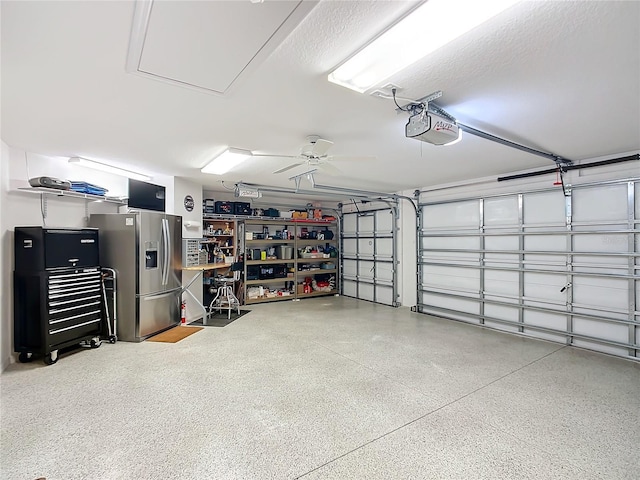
{"points": [[369, 256], [559, 267]]}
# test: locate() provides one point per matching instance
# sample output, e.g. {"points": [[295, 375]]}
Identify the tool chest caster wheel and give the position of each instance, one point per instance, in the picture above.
{"points": [[95, 343], [25, 357], [51, 358]]}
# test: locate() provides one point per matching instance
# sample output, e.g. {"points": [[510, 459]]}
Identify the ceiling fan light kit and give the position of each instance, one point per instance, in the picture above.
{"points": [[427, 28]]}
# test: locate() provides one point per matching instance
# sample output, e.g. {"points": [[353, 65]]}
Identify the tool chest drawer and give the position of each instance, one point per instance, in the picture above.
{"points": [[74, 303]]}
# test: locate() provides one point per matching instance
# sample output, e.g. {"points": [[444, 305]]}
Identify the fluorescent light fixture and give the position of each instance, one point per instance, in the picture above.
{"points": [[427, 28], [227, 160], [84, 162]]}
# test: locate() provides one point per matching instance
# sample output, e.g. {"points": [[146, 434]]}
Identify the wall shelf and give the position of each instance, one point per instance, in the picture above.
{"points": [[71, 194]]}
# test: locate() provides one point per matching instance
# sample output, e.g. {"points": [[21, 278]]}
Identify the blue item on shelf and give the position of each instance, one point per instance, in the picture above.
{"points": [[84, 187]]}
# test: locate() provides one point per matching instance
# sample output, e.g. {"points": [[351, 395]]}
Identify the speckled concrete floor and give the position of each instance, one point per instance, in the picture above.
{"points": [[326, 388]]}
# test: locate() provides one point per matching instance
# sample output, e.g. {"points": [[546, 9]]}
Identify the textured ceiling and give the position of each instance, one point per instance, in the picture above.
{"points": [[563, 77]]}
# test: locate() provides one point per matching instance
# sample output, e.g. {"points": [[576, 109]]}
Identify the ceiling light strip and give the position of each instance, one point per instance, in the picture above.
{"points": [[427, 28], [227, 160], [103, 167]]}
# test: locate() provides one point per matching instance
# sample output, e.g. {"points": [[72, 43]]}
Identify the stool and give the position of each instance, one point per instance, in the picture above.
{"points": [[225, 298]]}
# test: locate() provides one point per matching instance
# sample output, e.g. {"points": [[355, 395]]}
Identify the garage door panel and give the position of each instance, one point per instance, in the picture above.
{"points": [[384, 272], [543, 285], [365, 246], [384, 295], [452, 257], [451, 283], [501, 211], [615, 262], [350, 288], [602, 292], [545, 261], [602, 203], [462, 305], [366, 224], [371, 272], [501, 312], [608, 331], [451, 277], [459, 214], [552, 321], [498, 259], [607, 242], [502, 242], [565, 278], [546, 243], [544, 208], [599, 347], [366, 270], [505, 327], [384, 221], [500, 282], [452, 242], [350, 247], [366, 291], [349, 224], [350, 268], [384, 247]]}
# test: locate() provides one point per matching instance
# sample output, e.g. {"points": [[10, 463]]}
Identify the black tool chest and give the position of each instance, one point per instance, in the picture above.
{"points": [[57, 290]]}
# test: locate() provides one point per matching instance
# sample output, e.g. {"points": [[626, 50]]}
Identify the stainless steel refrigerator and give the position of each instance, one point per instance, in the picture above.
{"points": [[145, 250]]}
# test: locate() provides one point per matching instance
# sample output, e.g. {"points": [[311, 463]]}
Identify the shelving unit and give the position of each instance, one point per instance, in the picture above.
{"points": [[274, 272], [219, 236]]}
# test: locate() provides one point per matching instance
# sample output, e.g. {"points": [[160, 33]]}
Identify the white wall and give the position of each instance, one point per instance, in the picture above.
{"points": [[191, 228], [6, 246], [407, 251]]}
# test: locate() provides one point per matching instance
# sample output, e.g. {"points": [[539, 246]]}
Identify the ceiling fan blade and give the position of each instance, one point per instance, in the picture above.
{"points": [[321, 147], [330, 169], [293, 165], [351, 158]]}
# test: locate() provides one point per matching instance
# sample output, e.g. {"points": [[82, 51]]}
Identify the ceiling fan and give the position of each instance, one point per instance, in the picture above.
{"points": [[313, 157]]}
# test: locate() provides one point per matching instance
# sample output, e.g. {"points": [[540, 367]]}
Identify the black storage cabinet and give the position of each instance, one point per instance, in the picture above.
{"points": [[57, 290]]}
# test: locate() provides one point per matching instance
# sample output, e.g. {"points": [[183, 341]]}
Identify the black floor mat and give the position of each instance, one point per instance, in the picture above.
{"points": [[219, 319]]}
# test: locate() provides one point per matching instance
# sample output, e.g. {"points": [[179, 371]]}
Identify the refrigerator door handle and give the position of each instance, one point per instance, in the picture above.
{"points": [[145, 298], [166, 243]]}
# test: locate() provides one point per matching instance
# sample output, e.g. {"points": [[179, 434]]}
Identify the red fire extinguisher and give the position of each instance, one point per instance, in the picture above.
{"points": [[183, 313]]}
